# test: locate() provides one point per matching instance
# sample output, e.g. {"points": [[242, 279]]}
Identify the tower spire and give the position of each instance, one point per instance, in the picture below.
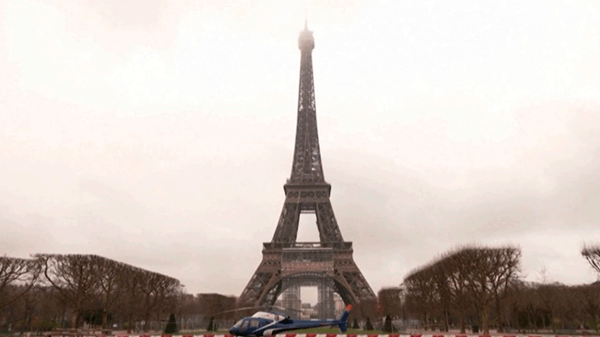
{"points": [[305, 20], [306, 166]]}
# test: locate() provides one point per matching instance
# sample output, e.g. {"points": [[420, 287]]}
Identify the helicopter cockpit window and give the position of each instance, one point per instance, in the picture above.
{"points": [[245, 325], [238, 324], [254, 323]]}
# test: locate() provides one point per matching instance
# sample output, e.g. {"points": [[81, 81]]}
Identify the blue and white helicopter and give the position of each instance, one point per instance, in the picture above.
{"points": [[268, 324]]}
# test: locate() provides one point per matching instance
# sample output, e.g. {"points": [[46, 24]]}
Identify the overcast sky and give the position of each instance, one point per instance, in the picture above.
{"points": [[160, 133]]}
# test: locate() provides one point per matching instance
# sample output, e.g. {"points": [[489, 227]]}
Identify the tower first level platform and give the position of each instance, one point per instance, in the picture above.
{"points": [[306, 260]]}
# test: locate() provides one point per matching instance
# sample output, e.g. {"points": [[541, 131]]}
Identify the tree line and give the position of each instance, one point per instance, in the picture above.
{"points": [[482, 287], [465, 288], [52, 290]]}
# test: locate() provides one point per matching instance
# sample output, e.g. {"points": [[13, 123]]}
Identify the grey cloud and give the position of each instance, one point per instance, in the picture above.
{"points": [[177, 175]]}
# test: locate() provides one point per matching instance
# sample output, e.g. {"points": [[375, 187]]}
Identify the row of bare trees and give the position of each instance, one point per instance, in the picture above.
{"points": [[476, 277], [46, 290], [481, 286], [528, 306], [555, 306], [477, 286]]}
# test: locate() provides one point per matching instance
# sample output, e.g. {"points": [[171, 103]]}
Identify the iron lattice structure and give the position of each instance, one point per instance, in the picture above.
{"points": [[287, 264]]}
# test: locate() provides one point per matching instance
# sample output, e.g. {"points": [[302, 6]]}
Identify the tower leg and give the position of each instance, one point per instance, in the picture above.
{"points": [[326, 308], [291, 299]]}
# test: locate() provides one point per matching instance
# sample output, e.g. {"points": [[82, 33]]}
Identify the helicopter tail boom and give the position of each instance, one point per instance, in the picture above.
{"points": [[343, 323]]}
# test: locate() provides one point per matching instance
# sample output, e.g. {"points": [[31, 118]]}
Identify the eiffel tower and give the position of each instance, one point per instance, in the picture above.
{"points": [[288, 265]]}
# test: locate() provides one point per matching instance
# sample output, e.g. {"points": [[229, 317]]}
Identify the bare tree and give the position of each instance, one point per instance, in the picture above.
{"points": [[504, 269], [458, 275], [73, 277], [132, 281], [589, 303], [390, 301], [443, 292], [109, 275], [150, 288], [465, 276], [550, 298], [421, 293], [166, 294], [15, 271], [492, 270], [215, 305], [592, 255]]}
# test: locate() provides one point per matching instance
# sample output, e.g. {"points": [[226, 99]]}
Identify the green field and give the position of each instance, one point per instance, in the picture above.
{"points": [[322, 330], [326, 330]]}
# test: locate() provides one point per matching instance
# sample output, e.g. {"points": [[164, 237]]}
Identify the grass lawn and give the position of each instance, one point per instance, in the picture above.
{"points": [[326, 330], [322, 330]]}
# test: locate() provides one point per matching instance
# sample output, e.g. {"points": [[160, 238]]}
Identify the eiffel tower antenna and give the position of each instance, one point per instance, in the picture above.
{"points": [[288, 265], [305, 19]]}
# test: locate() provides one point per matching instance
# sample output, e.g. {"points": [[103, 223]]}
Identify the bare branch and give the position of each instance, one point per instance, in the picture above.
{"points": [[592, 255]]}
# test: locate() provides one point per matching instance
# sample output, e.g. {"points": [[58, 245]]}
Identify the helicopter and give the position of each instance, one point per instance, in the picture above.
{"points": [[267, 324]]}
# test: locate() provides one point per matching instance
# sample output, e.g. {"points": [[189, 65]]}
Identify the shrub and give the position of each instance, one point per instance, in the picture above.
{"points": [[171, 325], [368, 325], [387, 325]]}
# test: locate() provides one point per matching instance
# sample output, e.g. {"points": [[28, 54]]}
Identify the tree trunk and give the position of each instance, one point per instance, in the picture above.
{"points": [[446, 328], [485, 320], [499, 317], [63, 317], [129, 323], [74, 317], [146, 319], [104, 319]]}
